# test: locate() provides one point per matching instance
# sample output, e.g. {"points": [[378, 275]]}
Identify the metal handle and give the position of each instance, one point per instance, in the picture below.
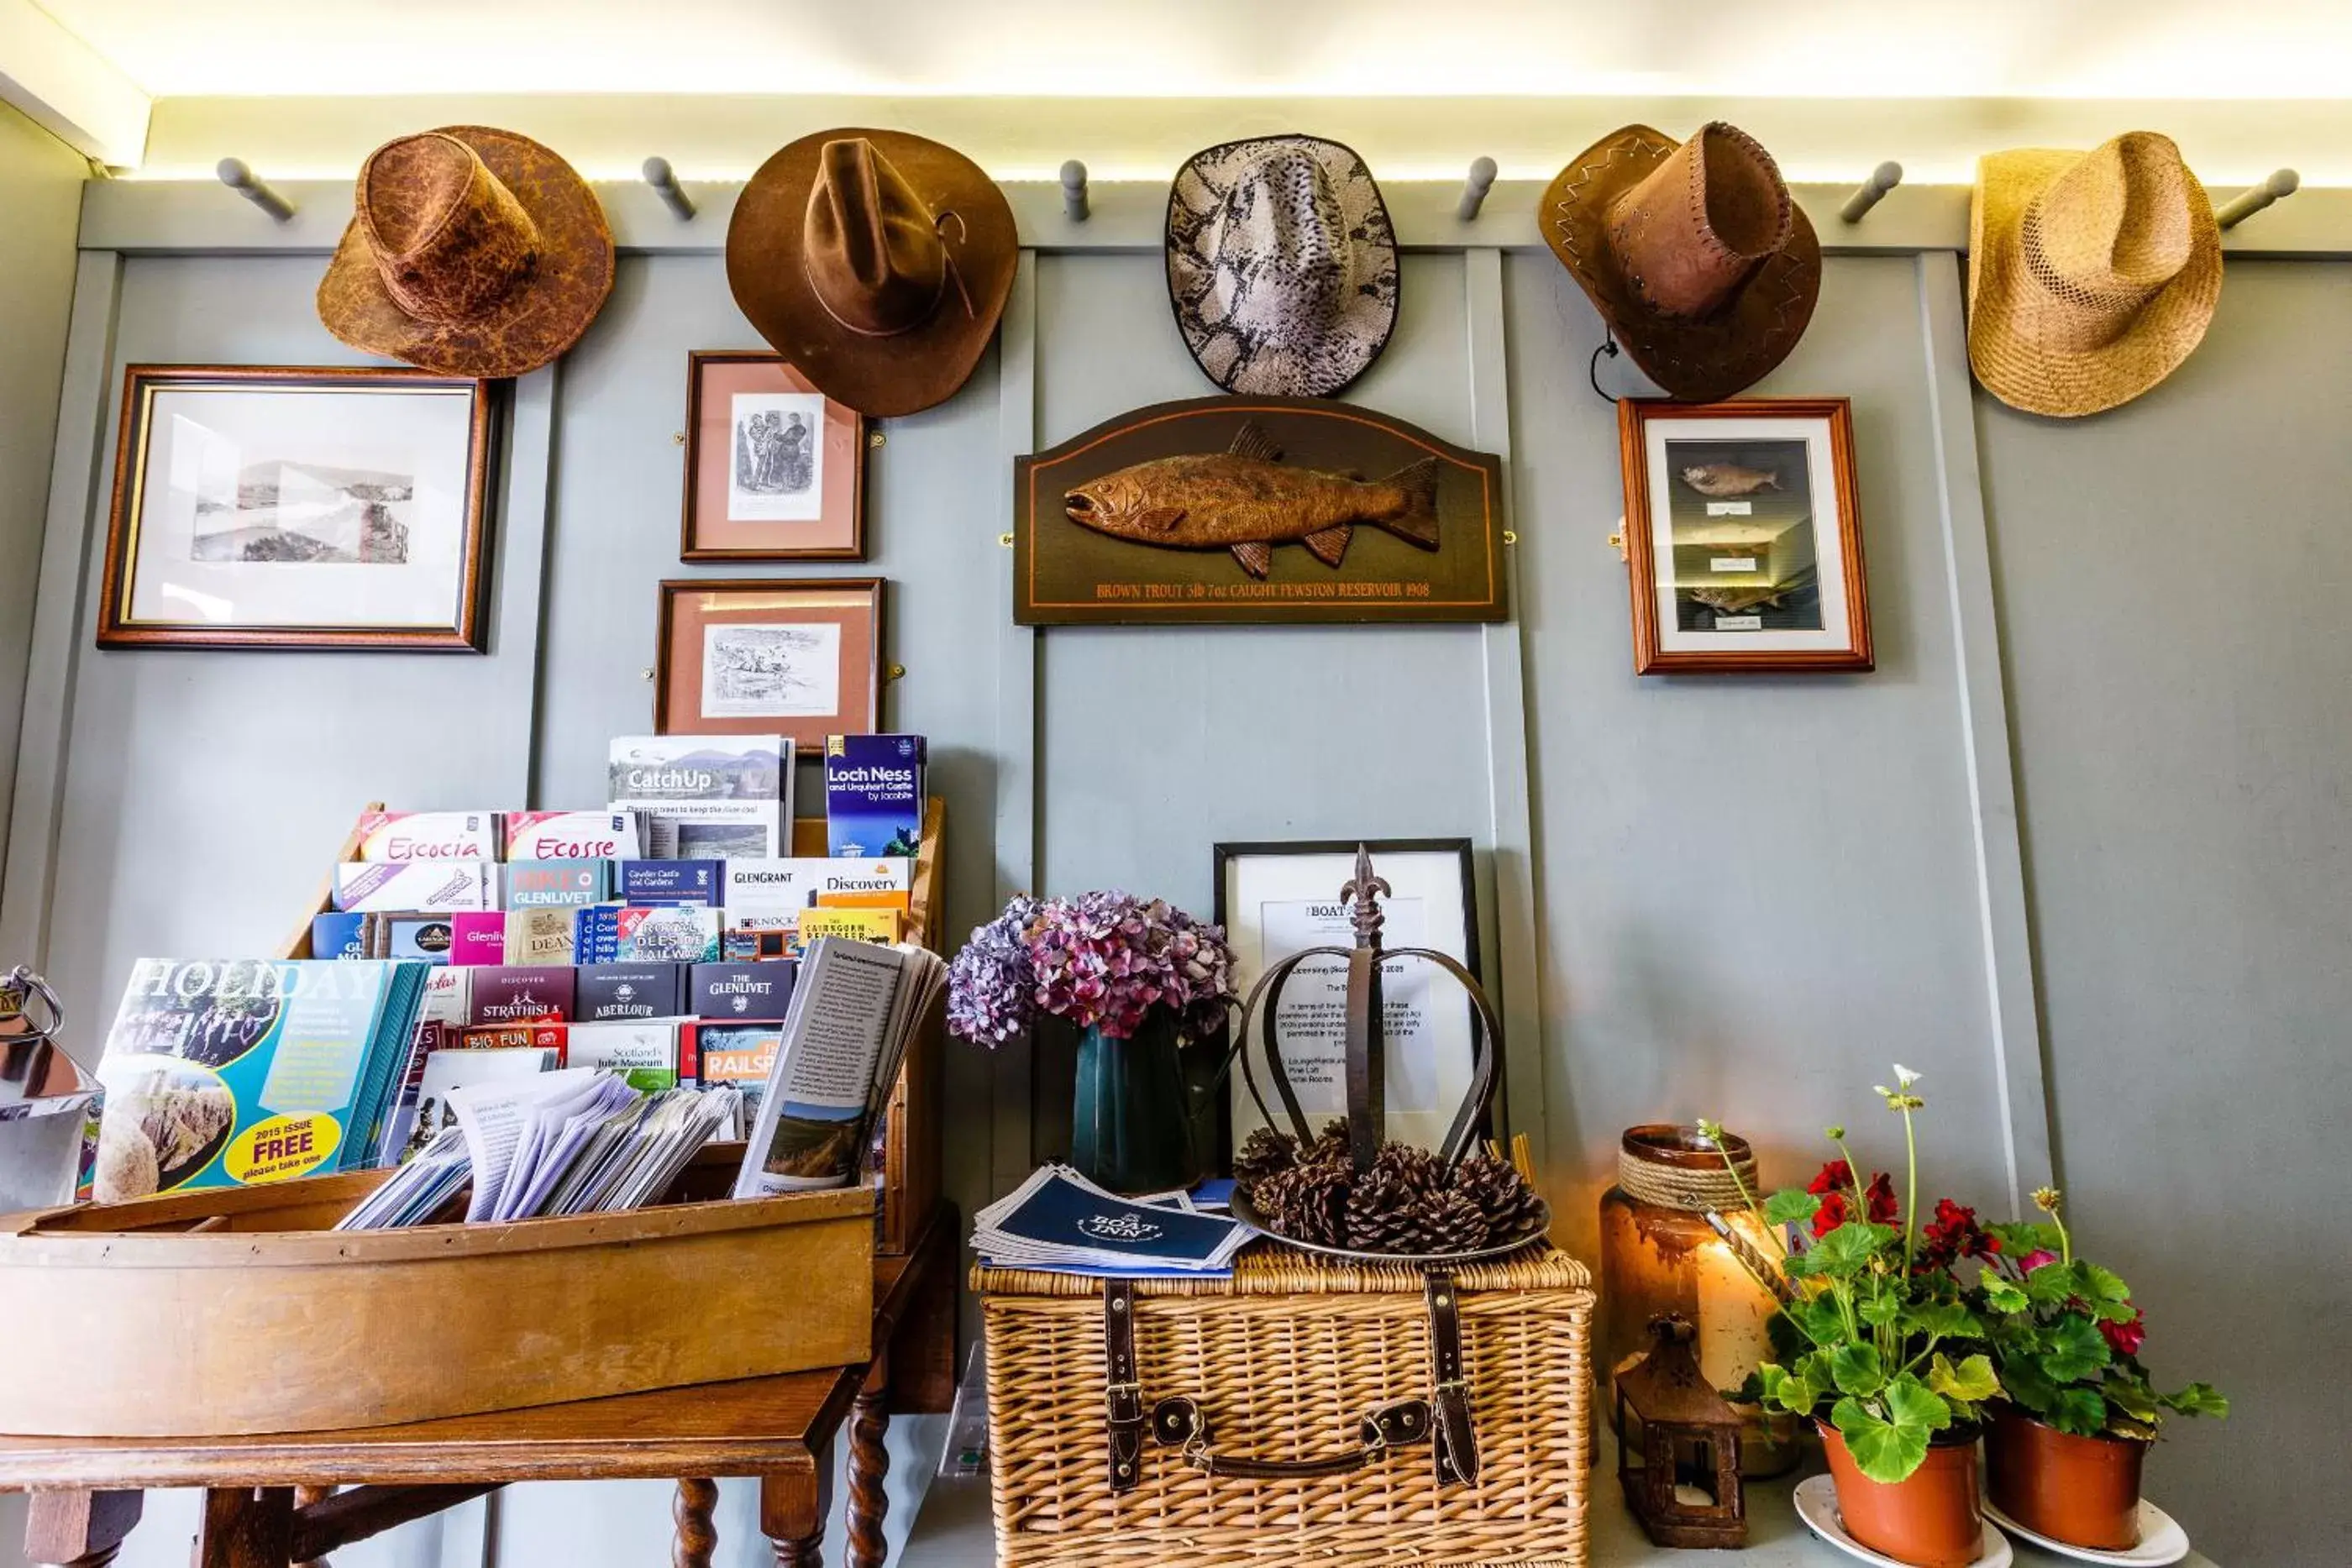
{"points": [[1182, 1423]]}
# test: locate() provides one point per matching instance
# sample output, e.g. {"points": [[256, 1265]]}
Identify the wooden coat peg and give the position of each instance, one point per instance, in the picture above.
{"points": [[1872, 191], [1075, 206], [1474, 189], [238, 176], [664, 180], [2255, 198]]}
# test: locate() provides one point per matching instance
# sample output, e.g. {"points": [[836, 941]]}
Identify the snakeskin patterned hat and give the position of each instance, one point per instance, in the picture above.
{"points": [[1693, 253], [471, 252], [1282, 266]]}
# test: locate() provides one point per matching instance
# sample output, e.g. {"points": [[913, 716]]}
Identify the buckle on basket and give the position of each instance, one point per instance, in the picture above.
{"points": [[1125, 1404]]}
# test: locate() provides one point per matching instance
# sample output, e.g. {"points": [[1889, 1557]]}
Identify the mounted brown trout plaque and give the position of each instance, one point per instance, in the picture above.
{"points": [[1256, 510]]}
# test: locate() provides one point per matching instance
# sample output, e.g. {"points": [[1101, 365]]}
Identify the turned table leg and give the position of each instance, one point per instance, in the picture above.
{"points": [[869, 1475], [793, 1507], [80, 1529], [698, 1533]]}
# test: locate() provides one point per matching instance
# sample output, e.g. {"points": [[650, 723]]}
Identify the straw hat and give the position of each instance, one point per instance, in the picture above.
{"points": [[471, 252], [1282, 265], [1693, 251], [2091, 275], [876, 262]]}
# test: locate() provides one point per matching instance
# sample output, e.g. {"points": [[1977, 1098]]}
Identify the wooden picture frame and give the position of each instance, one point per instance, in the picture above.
{"points": [[719, 382], [405, 508], [1760, 495], [1436, 875], [845, 683]]}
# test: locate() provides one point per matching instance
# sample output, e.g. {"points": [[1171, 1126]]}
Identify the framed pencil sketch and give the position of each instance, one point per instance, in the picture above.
{"points": [[1278, 899], [265, 507], [798, 658], [775, 469], [1743, 539]]}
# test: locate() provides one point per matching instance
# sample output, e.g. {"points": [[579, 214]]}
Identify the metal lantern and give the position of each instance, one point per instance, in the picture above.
{"points": [[1678, 1446]]}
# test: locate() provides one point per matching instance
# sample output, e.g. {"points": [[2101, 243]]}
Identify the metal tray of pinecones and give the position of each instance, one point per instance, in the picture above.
{"points": [[1408, 1208]]}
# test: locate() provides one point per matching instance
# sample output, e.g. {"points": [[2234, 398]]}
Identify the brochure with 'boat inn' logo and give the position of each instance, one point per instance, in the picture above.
{"points": [[1059, 1220], [706, 797]]}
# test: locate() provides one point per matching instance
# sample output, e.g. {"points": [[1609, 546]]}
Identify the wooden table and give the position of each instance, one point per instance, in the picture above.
{"points": [[272, 1501]]}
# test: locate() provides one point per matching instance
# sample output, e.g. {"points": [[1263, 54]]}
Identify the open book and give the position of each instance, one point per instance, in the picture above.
{"points": [[856, 1006]]}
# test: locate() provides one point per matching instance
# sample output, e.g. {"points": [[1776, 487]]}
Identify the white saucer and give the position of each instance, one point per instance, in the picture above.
{"points": [[1817, 1506], [2161, 1541]]}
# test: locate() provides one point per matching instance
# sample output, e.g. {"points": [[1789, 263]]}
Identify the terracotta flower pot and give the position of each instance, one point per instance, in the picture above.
{"points": [[2083, 1491], [1929, 1520]]}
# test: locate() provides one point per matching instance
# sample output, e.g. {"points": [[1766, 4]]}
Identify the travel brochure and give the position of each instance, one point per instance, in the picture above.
{"points": [[1060, 1222], [549, 1011]]}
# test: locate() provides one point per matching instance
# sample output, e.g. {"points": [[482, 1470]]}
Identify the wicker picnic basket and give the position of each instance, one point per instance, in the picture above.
{"points": [[1288, 1364]]}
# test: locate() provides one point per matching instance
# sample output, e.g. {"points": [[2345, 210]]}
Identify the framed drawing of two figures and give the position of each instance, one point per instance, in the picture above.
{"points": [[775, 469], [1743, 537]]}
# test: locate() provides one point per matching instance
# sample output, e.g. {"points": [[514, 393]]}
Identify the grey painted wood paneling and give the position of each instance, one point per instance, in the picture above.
{"points": [[1757, 891], [2173, 578], [205, 793]]}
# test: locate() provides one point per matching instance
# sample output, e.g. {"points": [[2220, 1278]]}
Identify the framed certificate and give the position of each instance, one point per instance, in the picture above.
{"points": [[1278, 899]]}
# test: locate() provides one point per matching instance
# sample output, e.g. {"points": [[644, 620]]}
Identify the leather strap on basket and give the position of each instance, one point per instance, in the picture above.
{"points": [[1181, 1422], [1125, 1404], [1457, 1439]]}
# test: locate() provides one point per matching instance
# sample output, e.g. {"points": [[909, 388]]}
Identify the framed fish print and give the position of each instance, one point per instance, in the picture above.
{"points": [[775, 469], [1278, 899], [796, 657], [1743, 539], [289, 507], [1261, 509]]}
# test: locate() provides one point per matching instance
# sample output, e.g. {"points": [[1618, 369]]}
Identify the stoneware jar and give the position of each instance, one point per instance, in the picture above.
{"points": [[2083, 1491], [1929, 1520]]}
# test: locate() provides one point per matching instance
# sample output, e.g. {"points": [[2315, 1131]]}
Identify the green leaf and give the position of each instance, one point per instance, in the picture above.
{"points": [[1971, 1380], [2003, 1297], [2130, 1396], [2017, 1240], [1850, 1247], [1857, 1370], [1948, 1319], [1819, 1316], [2101, 1285], [1882, 1450], [2082, 1411], [1910, 1402], [2022, 1381], [2197, 1400], [2051, 1285], [1791, 1208], [2075, 1350], [1880, 1311]]}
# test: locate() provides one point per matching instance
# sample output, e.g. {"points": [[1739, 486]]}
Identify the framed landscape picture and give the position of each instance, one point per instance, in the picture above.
{"points": [[796, 658], [1278, 899], [775, 469], [286, 507], [1742, 538]]}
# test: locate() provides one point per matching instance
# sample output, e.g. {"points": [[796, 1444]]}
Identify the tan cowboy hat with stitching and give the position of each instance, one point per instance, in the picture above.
{"points": [[876, 262], [1693, 251], [471, 252], [2091, 275]]}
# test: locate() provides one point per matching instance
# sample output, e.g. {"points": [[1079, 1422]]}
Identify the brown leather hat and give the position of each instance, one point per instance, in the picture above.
{"points": [[876, 262], [471, 252], [1693, 253]]}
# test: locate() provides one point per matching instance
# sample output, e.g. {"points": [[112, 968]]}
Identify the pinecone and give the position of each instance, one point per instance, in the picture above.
{"points": [[1501, 1196], [1264, 1154], [1417, 1169], [1449, 1222], [1383, 1212], [1307, 1203], [1331, 1144]]}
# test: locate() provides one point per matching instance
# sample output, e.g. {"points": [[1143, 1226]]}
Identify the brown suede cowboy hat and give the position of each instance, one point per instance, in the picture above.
{"points": [[1694, 253], [876, 262], [471, 252]]}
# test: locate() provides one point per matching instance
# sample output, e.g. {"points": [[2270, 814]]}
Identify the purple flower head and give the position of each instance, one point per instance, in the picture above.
{"points": [[1102, 959]]}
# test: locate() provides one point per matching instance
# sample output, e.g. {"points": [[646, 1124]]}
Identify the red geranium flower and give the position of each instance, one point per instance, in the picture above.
{"points": [[1830, 1215], [1880, 1198], [2035, 1259], [1955, 1234], [1835, 1176], [2125, 1339]]}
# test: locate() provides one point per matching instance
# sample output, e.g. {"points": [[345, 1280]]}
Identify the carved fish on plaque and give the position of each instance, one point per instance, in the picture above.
{"points": [[1188, 513]]}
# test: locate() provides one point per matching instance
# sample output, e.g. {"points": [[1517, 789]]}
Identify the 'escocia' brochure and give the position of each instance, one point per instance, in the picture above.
{"points": [[1059, 1220]]}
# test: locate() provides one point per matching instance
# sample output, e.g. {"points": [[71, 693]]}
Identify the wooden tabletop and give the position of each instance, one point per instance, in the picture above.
{"points": [[757, 1426]]}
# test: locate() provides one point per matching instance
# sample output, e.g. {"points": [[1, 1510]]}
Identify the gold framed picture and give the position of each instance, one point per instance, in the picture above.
{"points": [[774, 468]]}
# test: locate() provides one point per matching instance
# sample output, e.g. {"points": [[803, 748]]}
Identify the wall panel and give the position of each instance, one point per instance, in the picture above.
{"points": [[2172, 578]]}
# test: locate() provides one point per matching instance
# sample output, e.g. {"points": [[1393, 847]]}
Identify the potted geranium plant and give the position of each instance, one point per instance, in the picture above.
{"points": [[1880, 1351], [2077, 1411], [1139, 979]]}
